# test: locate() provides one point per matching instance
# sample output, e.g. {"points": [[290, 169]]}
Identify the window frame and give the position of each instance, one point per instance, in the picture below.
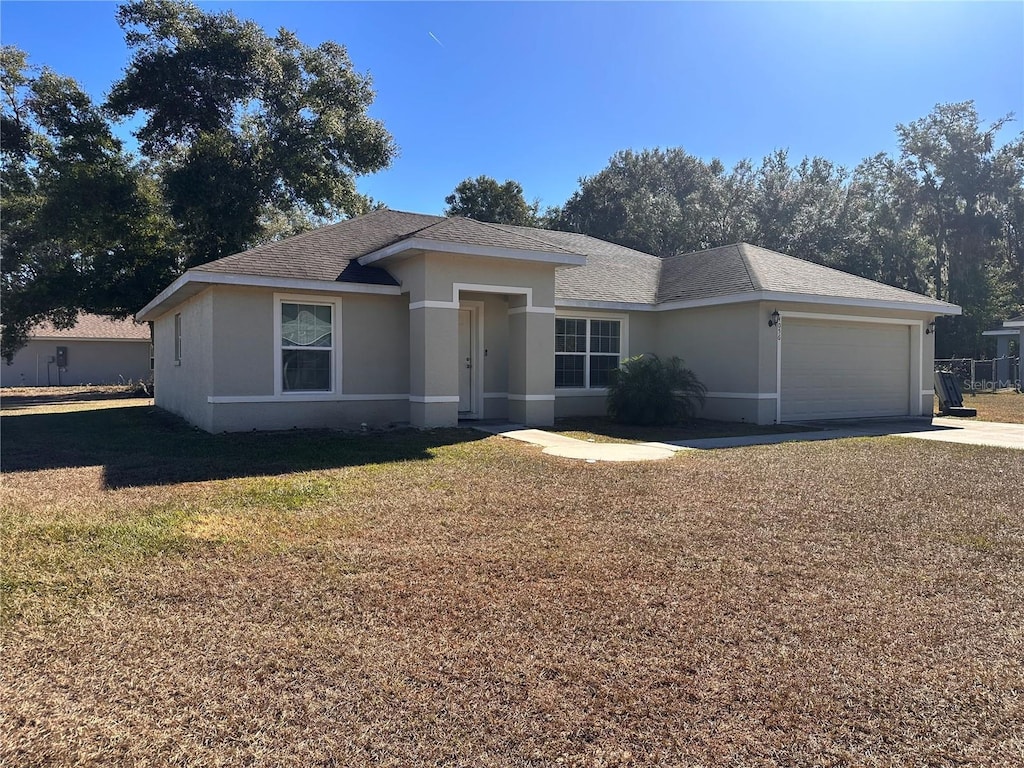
{"points": [[335, 350], [177, 338], [623, 353]]}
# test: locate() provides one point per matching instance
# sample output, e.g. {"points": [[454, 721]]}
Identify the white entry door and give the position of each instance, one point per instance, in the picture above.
{"points": [[466, 361]]}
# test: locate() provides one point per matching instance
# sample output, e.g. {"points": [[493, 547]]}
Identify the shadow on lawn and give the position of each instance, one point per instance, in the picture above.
{"points": [[140, 446]]}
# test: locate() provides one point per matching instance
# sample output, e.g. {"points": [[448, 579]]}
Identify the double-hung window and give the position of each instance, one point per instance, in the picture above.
{"points": [[306, 346], [587, 350]]}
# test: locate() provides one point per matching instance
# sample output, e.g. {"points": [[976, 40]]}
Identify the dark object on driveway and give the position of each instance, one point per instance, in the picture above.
{"points": [[951, 400]]}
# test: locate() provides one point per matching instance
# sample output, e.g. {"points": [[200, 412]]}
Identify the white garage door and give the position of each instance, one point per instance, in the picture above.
{"points": [[835, 370]]}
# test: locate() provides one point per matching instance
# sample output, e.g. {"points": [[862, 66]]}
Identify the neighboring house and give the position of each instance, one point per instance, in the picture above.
{"points": [[97, 350], [406, 318], [1012, 331]]}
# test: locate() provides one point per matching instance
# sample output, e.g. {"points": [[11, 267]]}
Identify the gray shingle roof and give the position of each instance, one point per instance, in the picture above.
{"points": [[328, 253], [94, 327], [471, 232], [744, 268], [613, 273]]}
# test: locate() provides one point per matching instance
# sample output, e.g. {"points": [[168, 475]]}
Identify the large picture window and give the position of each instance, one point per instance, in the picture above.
{"points": [[306, 347], [586, 351]]}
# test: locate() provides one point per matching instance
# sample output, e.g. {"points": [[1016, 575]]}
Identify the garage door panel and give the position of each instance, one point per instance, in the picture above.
{"points": [[844, 370]]}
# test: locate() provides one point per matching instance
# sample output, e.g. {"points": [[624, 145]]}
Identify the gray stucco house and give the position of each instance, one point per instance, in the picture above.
{"points": [[400, 317], [96, 350]]}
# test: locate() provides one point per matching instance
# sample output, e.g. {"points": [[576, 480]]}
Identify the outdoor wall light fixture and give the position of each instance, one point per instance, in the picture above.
{"points": [[774, 319], [931, 328]]}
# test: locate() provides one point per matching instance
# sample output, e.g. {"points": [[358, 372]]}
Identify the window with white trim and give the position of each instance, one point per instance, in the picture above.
{"points": [[177, 339], [587, 350], [306, 346]]}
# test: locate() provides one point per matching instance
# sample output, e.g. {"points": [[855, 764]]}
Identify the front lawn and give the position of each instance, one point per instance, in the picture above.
{"points": [[445, 598], [604, 430]]}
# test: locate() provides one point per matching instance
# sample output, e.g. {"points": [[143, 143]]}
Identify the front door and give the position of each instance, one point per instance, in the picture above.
{"points": [[466, 361]]}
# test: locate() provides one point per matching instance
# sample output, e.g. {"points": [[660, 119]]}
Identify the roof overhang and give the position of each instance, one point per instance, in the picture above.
{"points": [[409, 246], [1013, 323], [1004, 332], [929, 308], [194, 282]]}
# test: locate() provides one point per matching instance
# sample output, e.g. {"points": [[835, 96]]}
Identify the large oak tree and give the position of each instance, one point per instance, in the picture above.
{"points": [[244, 136]]}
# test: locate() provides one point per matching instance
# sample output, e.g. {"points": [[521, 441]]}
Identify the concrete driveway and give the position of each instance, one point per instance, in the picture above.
{"points": [[943, 429]]}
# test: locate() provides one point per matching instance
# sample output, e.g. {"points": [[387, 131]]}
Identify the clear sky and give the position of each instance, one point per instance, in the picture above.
{"points": [[544, 93]]}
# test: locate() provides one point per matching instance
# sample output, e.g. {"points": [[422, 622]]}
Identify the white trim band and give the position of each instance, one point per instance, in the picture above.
{"points": [[743, 395], [532, 310], [429, 304], [434, 398], [581, 392], [532, 398]]}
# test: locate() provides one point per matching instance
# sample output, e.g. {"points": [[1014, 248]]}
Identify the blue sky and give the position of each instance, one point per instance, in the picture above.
{"points": [[544, 93]]}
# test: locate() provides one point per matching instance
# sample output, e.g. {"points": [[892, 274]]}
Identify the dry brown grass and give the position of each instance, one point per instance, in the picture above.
{"points": [[603, 430], [855, 602], [1006, 406]]}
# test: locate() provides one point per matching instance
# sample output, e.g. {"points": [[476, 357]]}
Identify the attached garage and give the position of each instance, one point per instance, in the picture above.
{"points": [[835, 369]]}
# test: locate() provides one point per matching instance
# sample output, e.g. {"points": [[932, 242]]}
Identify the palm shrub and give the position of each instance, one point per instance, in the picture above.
{"points": [[648, 390]]}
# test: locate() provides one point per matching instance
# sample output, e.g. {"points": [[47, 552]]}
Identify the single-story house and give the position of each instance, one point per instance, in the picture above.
{"points": [[96, 350], [399, 317]]}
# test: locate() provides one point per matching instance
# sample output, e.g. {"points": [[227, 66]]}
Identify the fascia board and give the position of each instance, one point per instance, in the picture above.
{"points": [[192, 282], [936, 308]]}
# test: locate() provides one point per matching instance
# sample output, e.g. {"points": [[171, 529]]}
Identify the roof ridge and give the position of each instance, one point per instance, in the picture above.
{"points": [[498, 227], [756, 281], [582, 234]]}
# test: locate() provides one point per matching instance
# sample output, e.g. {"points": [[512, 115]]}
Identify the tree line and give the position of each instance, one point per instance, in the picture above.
{"points": [[245, 137], [943, 217]]}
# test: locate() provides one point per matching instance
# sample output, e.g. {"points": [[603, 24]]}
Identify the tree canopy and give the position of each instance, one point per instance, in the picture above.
{"points": [[243, 123], [84, 227], [484, 199], [244, 136]]}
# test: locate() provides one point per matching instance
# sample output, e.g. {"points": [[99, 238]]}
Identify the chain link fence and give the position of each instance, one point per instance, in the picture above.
{"points": [[983, 375]]}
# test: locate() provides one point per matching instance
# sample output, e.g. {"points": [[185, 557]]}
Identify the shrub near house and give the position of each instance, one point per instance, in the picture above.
{"points": [[647, 390]]}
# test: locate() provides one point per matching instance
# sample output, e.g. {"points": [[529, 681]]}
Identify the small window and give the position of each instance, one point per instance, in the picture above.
{"points": [[306, 347], [177, 339], [586, 352]]}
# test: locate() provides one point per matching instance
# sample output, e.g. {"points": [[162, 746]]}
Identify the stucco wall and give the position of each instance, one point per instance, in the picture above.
{"points": [[243, 341], [372, 340], [720, 344], [329, 414], [375, 340], [183, 388], [89, 362], [430, 276]]}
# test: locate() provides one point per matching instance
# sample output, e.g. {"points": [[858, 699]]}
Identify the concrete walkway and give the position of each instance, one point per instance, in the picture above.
{"points": [[571, 448], [949, 430]]}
